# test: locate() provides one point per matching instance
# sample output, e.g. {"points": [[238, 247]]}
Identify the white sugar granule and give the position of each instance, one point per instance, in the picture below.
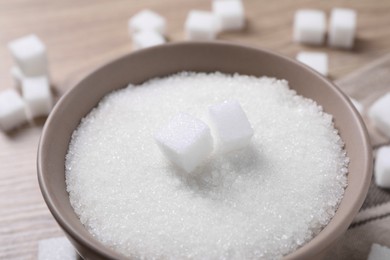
{"points": [[264, 201]]}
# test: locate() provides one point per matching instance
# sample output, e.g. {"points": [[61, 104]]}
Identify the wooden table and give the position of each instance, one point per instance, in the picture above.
{"points": [[83, 34]]}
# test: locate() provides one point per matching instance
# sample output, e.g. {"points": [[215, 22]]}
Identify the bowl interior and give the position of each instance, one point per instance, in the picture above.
{"points": [[203, 57]]}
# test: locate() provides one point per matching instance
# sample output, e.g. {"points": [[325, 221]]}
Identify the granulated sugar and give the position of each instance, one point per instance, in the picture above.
{"points": [[263, 201]]}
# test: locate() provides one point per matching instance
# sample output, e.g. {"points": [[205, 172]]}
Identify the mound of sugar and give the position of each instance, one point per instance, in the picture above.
{"points": [[263, 201]]}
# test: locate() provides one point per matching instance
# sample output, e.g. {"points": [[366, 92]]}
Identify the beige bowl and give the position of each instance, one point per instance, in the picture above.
{"points": [[204, 57]]}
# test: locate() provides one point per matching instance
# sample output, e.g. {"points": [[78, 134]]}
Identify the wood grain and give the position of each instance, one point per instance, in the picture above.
{"points": [[83, 34]]}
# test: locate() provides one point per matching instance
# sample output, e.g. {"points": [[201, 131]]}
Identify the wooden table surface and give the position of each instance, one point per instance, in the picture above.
{"points": [[80, 35]]}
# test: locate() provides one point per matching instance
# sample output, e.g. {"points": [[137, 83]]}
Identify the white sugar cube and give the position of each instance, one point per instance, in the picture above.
{"points": [[379, 113], [58, 248], [201, 25], [309, 26], [359, 107], [230, 125], [230, 14], [37, 95], [342, 28], [382, 167], [145, 39], [186, 141], [315, 60], [379, 252], [12, 110], [147, 20], [30, 55], [17, 76]]}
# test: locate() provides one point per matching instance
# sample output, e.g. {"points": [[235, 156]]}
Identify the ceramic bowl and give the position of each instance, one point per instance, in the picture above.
{"points": [[167, 59]]}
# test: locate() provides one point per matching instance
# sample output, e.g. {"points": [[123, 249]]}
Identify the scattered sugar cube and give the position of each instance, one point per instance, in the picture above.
{"points": [[145, 39], [58, 248], [359, 107], [147, 20], [379, 252], [342, 28], [315, 60], [12, 110], [37, 95], [201, 25], [18, 77], [186, 141], [382, 167], [380, 115], [231, 125], [309, 26], [230, 14], [30, 54]]}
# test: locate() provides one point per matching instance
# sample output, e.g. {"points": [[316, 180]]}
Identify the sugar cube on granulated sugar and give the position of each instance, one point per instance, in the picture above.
{"points": [[379, 252], [230, 14], [315, 60], [342, 28], [147, 20], [12, 110], [37, 95], [382, 167], [29, 53], [379, 113], [144, 39], [359, 107], [17, 76], [230, 125], [58, 248], [309, 26], [186, 141], [201, 25]]}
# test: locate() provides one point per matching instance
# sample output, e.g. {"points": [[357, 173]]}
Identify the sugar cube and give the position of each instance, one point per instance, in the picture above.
{"points": [[231, 126], [379, 252], [359, 107], [12, 110], [186, 141], [37, 95], [379, 113], [147, 20], [309, 26], [17, 76], [58, 248], [382, 167], [201, 25], [342, 28], [230, 14], [29, 53], [145, 39], [315, 60]]}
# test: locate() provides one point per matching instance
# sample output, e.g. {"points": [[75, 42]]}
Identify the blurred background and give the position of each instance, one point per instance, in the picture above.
{"points": [[81, 35]]}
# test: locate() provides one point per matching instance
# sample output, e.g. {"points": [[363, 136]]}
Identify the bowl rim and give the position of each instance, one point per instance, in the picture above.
{"points": [[107, 252]]}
